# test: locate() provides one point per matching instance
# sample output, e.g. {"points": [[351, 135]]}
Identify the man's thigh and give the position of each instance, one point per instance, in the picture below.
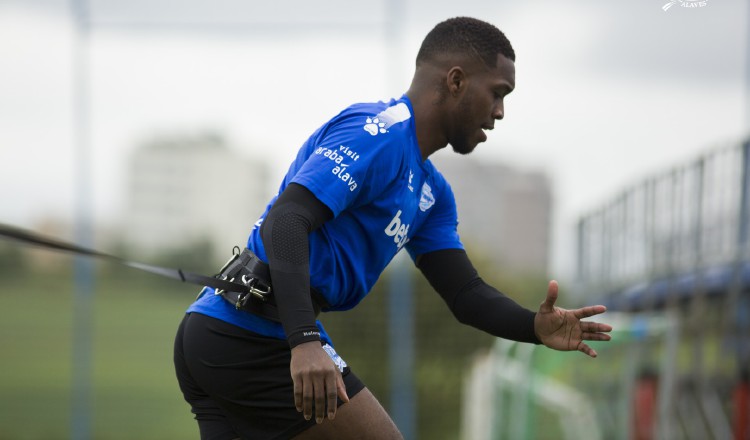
{"points": [[362, 418], [243, 375]]}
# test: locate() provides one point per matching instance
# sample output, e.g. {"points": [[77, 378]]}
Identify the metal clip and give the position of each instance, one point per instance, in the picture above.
{"points": [[251, 290], [235, 255], [241, 300], [256, 292], [220, 291]]}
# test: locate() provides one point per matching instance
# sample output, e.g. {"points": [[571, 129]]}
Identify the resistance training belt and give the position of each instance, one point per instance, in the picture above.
{"points": [[27, 237]]}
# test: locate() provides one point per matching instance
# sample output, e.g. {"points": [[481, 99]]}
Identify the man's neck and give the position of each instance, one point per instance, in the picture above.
{"points": [[430, 137]]}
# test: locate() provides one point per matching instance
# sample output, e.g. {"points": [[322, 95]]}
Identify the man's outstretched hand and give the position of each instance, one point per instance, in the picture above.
{"points": [[563, 329]]}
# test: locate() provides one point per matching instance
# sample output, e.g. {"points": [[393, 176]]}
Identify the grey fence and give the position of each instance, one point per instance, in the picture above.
{"points": [[674, 248]]}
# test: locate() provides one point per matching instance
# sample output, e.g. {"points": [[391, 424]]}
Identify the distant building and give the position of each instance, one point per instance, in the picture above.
{"points": [[504, 213], [184, 190]]}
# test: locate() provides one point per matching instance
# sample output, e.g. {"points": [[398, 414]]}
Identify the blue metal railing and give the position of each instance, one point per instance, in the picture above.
{"points": [[688, 225]]}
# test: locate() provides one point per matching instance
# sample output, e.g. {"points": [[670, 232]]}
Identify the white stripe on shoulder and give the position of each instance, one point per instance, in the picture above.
{"points": [[394, 114]]}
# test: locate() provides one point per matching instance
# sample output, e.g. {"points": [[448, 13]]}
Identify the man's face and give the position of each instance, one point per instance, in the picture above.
{"points": [[481, 104]]}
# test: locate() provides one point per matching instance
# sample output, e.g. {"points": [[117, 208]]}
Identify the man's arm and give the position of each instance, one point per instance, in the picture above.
{"points": [[475, 303], [285, 233]]}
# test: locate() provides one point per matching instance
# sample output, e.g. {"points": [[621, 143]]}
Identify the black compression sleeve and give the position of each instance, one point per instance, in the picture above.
{"points": [[473, 301], [285, 233]]}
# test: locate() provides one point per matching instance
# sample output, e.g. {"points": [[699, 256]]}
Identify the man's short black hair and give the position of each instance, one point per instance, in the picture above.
{"points": [[468, 35]]}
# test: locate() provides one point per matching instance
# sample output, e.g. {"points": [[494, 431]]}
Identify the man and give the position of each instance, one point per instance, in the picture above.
{"points": [[360, 189]]}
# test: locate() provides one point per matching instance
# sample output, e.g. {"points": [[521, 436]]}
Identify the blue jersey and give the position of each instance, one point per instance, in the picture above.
{"points": [[366, 166]]}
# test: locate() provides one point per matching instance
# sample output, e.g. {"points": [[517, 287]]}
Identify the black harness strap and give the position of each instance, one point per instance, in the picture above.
{"points": [[24, 236]]}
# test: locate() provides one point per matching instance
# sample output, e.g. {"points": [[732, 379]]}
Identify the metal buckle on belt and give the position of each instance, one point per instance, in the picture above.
{"points": [[252, 289], [251, 283], [255, 286], [235, 255], [220, 291]]}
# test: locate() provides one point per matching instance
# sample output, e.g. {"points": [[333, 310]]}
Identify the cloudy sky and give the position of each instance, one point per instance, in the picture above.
{"points": [[607, 92]]}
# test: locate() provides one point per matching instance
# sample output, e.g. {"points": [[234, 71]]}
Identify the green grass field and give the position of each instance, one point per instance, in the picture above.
{"points": [[135, 393]]}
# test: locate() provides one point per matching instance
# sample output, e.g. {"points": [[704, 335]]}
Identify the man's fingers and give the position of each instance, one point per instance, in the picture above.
{"points": [[307, 398], [341, 387], [586, 312], [595, 331], [319, 388], [585, 349], [331, 395], [594, 336], [549, 303], [297, 393], [311, 396], [595, 327]]}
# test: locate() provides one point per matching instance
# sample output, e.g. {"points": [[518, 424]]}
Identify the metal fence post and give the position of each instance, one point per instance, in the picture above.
{"points": [[401, 346], [82, 344]]}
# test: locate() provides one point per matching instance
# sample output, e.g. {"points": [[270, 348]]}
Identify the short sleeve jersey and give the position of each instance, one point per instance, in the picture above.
{"points": [[366, 166]]}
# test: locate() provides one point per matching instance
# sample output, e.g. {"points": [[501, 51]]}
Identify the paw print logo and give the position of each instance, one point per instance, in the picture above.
{"points": [[374, 126]]}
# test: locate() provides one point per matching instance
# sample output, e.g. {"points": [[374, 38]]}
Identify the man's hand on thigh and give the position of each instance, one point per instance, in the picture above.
{"points": [[362, 418]]}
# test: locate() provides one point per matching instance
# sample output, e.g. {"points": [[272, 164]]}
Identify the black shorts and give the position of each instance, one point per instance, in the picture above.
{"points": [[238, 382]]}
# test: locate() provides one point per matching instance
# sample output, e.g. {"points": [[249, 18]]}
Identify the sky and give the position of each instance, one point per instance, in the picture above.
{"points": [[607, 93]]}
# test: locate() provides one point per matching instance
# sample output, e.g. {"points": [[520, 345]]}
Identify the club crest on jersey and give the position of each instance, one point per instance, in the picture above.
{"points": [[427, 199]]}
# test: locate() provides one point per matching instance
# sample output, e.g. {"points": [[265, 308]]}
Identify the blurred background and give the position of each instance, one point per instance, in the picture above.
{"points": [[158, 130]]}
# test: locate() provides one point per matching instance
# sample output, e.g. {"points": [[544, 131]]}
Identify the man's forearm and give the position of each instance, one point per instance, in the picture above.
{"points": [[474, 302], [285, 233]]}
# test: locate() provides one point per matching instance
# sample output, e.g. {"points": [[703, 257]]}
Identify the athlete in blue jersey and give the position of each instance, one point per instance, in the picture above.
{"points": [[260, 365]]}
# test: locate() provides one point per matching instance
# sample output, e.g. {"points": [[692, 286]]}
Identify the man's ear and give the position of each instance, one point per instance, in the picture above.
{"points": [[456, 80]]}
